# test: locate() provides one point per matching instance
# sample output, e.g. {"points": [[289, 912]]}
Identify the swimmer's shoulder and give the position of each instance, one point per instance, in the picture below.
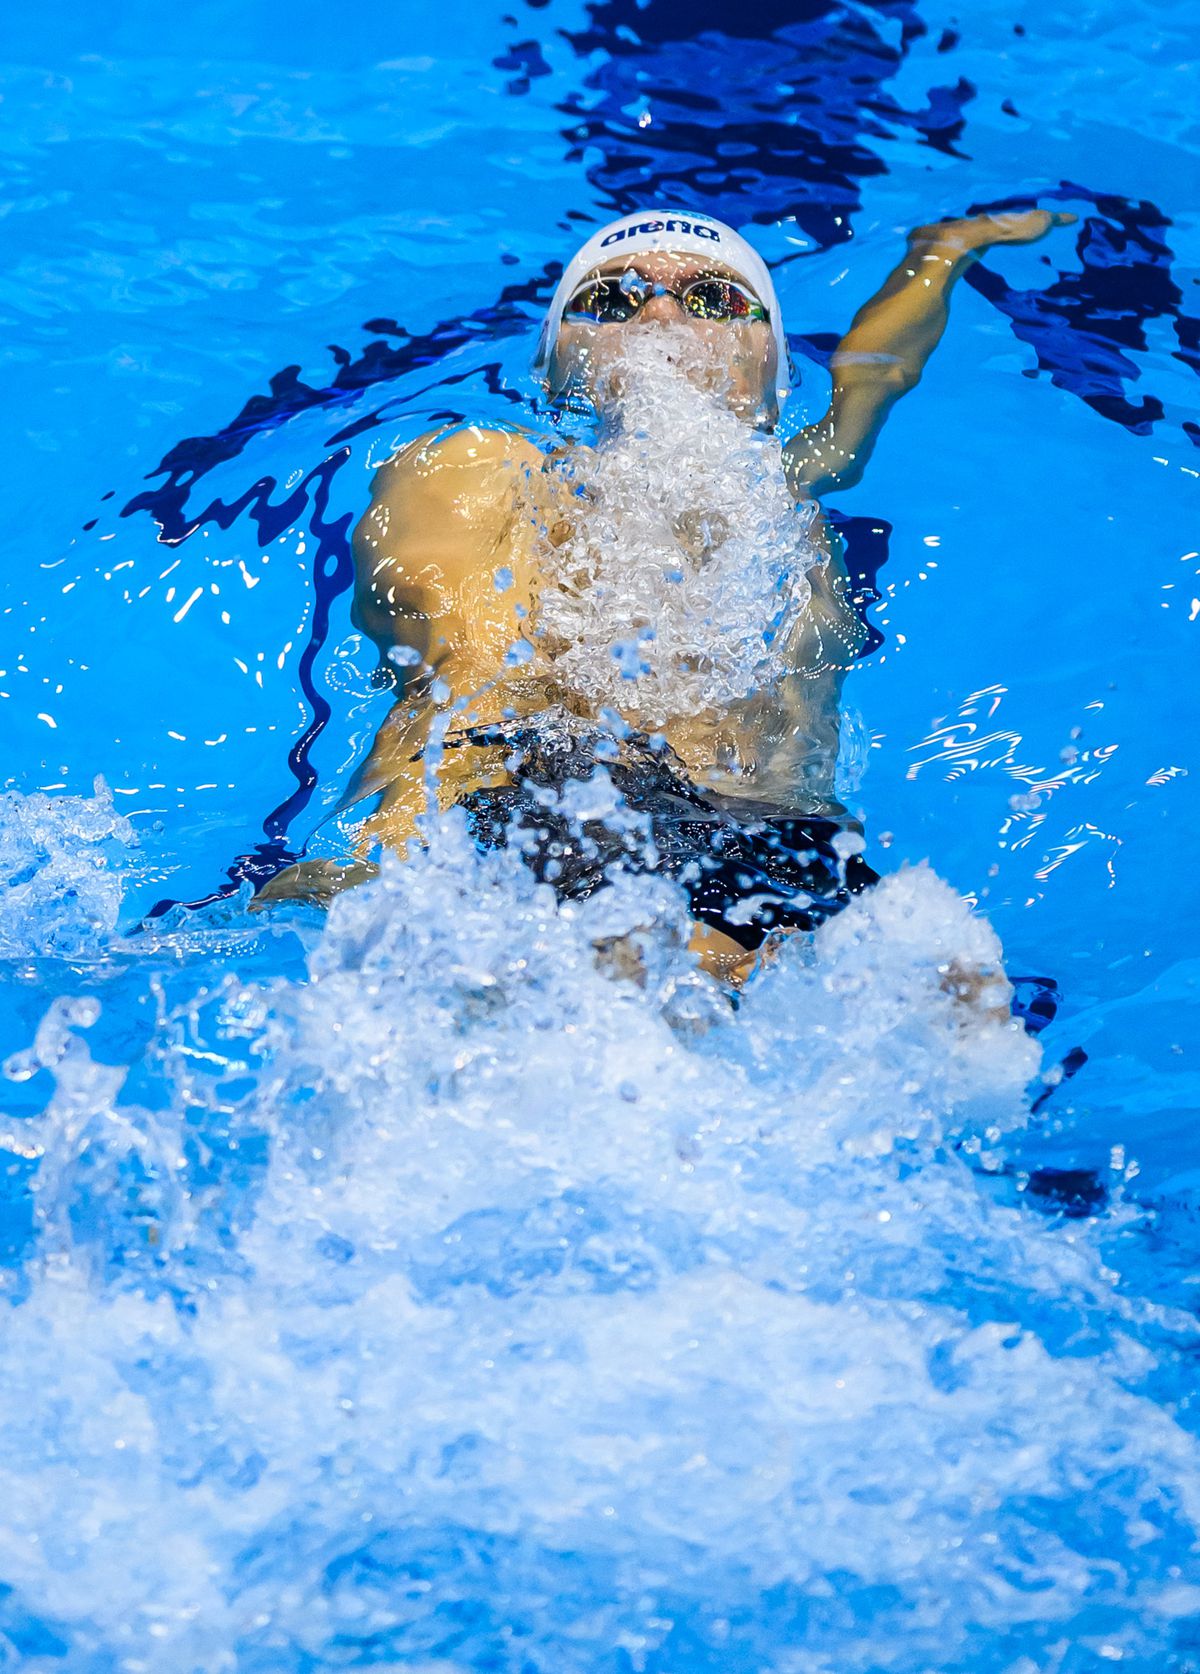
{"points": [[449, 512], [461, 494], [466, 458]]}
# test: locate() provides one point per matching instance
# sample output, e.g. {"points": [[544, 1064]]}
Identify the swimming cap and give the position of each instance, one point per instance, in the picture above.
{"points": [[682, 231]]}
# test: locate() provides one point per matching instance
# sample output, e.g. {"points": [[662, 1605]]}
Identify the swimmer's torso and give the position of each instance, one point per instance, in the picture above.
{"points": [[460, 563]]}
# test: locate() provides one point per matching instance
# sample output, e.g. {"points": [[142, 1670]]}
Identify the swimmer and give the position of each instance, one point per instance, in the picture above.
{"points": [[669, 602]]}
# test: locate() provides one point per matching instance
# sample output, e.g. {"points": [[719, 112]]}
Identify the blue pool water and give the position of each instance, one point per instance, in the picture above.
{"points": [[401, 1292]]}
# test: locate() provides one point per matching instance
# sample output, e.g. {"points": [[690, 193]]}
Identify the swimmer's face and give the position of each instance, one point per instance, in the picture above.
{"points": [[738, 359]]}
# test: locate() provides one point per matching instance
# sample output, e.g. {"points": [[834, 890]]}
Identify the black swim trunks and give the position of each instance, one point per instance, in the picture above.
{"points": [[746, 871]]}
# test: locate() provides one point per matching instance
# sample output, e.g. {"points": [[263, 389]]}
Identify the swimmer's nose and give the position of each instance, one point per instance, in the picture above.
{"points": [[662, 308]]}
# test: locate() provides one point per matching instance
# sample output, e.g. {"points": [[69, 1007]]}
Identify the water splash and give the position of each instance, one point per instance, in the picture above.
{"points": [[56, 892], [683, 574], [378, 1306]]}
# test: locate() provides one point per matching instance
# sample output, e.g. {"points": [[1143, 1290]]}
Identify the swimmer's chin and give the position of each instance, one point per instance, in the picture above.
{"points": [[650, 369]]}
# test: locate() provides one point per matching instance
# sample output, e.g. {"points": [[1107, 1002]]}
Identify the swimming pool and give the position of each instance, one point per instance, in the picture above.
{"points": [[404, 1293]]}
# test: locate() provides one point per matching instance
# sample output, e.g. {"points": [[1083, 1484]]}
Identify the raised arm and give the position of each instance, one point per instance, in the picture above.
{"points": [[891, 337]]}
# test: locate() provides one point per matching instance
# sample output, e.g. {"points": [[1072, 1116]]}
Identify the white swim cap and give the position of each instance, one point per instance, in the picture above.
{"points": [[682, 231]]}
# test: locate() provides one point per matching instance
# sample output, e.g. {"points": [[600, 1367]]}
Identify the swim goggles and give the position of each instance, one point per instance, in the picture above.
{"points": [[613, 300]]}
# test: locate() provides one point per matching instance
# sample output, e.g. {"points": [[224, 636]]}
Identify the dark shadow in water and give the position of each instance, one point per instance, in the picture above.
{"points": [[1073, 1192], [1086, 326], [381, 361], [333, 572], [754, 115]]}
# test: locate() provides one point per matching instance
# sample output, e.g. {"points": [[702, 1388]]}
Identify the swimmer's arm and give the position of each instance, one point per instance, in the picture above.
{"points": [[890, 339], [408, 760], [446, 521], [401, 774], [394, 769]]}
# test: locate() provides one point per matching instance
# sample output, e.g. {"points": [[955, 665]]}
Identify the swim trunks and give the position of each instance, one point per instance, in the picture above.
{"points": [[747, 870]]}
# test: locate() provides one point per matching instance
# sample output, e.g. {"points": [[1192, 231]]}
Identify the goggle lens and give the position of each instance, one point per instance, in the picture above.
{"points": [[722, 299], [612, 301], [604, 301]]}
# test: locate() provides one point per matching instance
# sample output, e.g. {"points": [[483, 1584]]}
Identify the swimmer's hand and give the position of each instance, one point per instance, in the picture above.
{"points": [[314, 881], [980, 232]]}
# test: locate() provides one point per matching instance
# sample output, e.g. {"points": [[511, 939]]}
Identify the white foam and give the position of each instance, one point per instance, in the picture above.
{"points": [[684, 574], [460, 1296]]}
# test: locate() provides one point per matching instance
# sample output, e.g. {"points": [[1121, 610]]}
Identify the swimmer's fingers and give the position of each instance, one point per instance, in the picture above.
{"points": [[1028, 225]]}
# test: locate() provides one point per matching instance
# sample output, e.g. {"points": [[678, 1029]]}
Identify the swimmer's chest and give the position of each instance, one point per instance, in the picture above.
{"points": [[549, 518], [528, 549]]}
